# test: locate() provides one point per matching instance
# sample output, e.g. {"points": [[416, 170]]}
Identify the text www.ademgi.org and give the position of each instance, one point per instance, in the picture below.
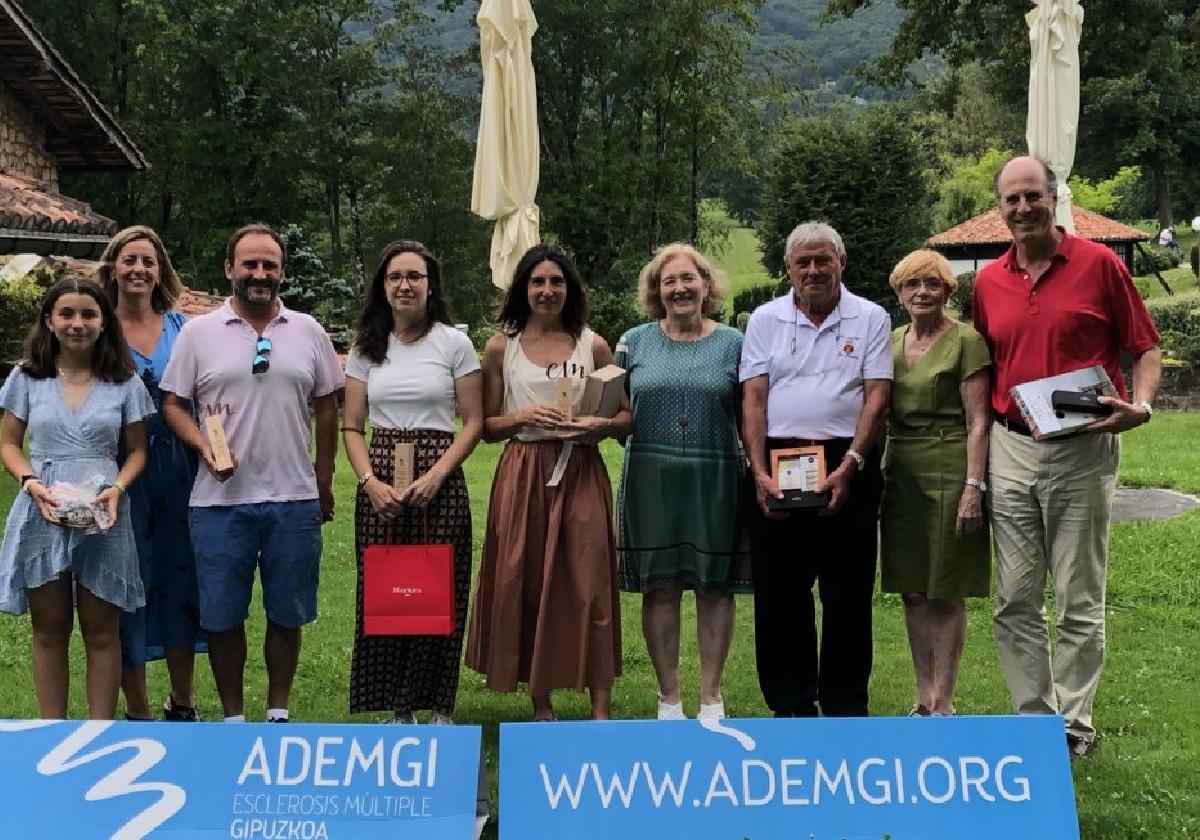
{"points": [[790, 781]]}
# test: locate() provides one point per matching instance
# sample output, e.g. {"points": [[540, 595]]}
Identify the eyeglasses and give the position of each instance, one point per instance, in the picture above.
{"points": [[413, 278], [933, 284], [262, 352], [687, 279]]}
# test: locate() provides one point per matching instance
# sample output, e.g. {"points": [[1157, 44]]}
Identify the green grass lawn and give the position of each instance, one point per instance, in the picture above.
{"points": [[742, 263], [1143, 781]]}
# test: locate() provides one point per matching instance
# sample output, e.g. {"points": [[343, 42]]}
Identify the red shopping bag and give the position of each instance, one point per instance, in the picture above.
{"points": [[408, 590]]}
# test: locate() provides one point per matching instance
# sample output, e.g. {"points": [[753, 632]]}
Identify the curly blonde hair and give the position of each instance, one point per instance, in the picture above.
{"points": [[651, 275]]}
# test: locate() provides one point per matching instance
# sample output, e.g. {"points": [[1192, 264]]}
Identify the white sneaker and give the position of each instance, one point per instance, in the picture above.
{"points": [[439, 719], [711, 711], [405, 718], [670, 711]]}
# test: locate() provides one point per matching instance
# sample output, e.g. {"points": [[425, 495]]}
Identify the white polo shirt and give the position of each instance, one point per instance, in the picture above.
{"points": [[815, 375]]}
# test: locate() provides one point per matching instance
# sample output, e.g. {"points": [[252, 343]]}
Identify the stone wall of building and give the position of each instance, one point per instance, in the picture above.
{"points": [[23, 141]]}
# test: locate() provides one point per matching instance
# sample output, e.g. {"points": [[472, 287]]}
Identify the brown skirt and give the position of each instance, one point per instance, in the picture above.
{"points": [[412, 673], [546, 609]]}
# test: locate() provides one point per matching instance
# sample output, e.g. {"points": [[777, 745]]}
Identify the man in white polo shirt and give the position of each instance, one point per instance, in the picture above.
{"points": [[256, 365], [816, 369]]}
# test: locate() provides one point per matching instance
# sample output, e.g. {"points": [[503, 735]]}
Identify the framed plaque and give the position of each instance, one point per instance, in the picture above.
{"points": [[798, 473]]}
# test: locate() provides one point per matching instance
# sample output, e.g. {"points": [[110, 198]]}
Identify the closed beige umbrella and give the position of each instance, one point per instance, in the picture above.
{"points": [[1052, 126], [506, 152]]}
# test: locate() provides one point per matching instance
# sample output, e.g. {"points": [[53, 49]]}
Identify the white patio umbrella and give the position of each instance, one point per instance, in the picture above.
{"points": [[506, 151], [1052, 125]]}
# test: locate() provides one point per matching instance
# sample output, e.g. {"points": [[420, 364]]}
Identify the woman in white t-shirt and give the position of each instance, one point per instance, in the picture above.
{"points": [[409, 372]]}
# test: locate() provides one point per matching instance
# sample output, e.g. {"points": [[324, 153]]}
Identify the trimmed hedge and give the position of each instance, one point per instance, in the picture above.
{"points": [[752, 297], [1178, 319]]}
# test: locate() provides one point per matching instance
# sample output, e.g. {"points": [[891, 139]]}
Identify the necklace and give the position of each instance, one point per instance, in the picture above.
{"points": [[62, 374], [687, 347], [402, 333]]}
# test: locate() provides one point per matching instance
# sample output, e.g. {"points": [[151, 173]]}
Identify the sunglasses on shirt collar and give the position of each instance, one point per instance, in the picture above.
{"points": [[262, 356]]}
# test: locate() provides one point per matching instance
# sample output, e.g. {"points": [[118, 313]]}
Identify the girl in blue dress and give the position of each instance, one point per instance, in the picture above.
{"points": [[76, 396], [139, 280]]}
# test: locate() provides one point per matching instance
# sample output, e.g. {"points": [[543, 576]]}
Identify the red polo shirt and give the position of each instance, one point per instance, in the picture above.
{"points": [[1083, 311]]}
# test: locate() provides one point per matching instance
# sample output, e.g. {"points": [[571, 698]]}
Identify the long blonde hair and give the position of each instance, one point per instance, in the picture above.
{"points": [[168, 288]]}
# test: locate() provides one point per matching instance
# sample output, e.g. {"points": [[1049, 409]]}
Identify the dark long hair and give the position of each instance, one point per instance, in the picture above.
{"points": [[375, 321], [514, 311], [110, 357]]}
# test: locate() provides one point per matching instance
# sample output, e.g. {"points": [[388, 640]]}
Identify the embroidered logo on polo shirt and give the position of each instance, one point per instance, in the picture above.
{"points": [[848, 345]]}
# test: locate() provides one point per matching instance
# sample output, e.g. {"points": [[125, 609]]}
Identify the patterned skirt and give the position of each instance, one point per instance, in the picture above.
{"points": [[411, 673]]}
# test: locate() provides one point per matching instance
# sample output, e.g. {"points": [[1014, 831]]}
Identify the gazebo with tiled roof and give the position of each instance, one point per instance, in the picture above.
{"points": [[976, 242]]}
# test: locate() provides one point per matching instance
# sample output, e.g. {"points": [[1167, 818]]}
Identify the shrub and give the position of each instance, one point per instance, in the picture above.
{"points": [[20, 301], [613, 311], [742, 320], [1146, 259], [1175, 312], [964, 295], [864, 173], [752, 297], [1196, 260]]}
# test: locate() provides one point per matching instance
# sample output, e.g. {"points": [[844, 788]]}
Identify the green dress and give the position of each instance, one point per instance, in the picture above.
{"points": [[682, 479], [924, 469]]}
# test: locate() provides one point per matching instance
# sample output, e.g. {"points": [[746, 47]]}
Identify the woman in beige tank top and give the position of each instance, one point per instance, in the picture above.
{"points": [[546, 609]]}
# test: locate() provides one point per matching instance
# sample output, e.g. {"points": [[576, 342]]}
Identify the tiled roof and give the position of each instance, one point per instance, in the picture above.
{"points": [[989, 229], [192, 302], [34, 219], [30, 205], [82, 133]]}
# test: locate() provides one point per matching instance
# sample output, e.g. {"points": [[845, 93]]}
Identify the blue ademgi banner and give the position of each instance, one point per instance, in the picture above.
{"points": [[99, 779], [826, 779]]}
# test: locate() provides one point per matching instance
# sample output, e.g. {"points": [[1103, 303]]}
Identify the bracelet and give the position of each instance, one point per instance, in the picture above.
{"points": [[352, 429], [117, 485], [28, 477], [365, 477], [858, 459]]}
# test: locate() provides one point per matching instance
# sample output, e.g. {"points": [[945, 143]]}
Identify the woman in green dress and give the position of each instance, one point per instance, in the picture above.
{"points": [[935, 548], [682, 477]]}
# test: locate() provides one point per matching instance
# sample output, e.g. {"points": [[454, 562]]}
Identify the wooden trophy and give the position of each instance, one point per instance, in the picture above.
{"points": [[565, 398], [798, 473], [402, 476], [222, 459]]}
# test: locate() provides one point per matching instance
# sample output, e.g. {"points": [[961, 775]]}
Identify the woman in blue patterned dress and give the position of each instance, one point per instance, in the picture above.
{"points": [[76, 396], [138, 278], [682, 478]]}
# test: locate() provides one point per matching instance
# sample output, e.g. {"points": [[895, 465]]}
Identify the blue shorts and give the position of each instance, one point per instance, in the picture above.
{"points": [[229, 541]]}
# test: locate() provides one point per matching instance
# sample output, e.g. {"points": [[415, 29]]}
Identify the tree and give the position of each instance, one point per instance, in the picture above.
{"points": [[1139, 60], [967, 190], [310, 287], [639, 107], [862, 173]]}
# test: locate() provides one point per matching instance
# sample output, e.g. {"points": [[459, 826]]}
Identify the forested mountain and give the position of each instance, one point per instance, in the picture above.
{"points": [[791, 39]]}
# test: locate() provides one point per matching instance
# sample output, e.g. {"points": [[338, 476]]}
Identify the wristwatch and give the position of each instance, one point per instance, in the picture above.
{"points": [[858, 459], [25, 479], [978, 483], [1149, 410]]}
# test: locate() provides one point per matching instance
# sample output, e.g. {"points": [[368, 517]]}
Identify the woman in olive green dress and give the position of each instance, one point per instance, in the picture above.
{"points": [[935, 548]]}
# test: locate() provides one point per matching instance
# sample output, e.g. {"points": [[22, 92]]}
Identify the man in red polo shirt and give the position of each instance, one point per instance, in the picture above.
{"points": [[1056, 303]]}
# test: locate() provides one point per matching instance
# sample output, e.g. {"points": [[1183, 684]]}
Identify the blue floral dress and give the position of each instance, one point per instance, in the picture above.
{"points": [[158, 508], [72, 446]]}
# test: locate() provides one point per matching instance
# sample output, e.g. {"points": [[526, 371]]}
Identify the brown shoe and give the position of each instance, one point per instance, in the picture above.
{"points": [[1078, 747]]}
